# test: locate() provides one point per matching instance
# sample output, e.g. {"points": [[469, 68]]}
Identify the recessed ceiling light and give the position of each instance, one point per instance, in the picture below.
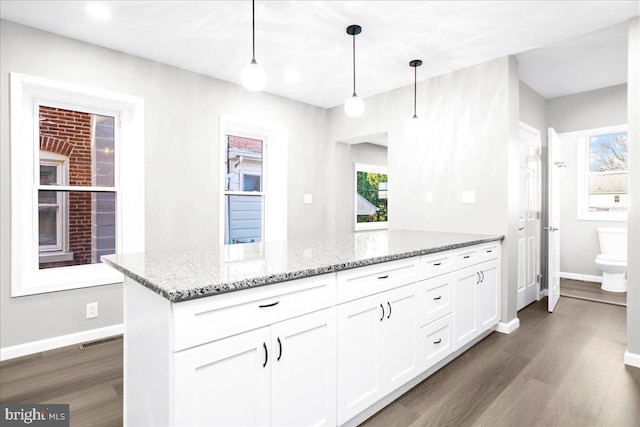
{"points": [[98, 11]]}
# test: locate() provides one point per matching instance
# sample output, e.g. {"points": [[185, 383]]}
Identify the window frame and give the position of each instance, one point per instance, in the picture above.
{"points": [[274, 173], [27, 93], [583, 152], [60, 251]]}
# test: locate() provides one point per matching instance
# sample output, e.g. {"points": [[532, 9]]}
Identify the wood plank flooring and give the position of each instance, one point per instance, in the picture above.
{"points": [[591, 291], [559, 369]]}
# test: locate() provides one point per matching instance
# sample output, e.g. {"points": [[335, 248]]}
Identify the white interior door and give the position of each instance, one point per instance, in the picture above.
{"points": [[529, 217], [555, 167]]}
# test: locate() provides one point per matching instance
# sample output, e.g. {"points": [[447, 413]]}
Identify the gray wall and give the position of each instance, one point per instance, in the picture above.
{"points": [[465, 139], [182, 110], [533, 112], [588, 110], [345, 157], [633, 273]]}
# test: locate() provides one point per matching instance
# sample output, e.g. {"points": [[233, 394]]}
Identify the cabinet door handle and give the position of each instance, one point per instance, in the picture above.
{"points": [[280, 347], [382, 312], [266, 354], [482, 272], [477, 278], [386, 276], [437, 298], [466, 256], [435, 264], [438, 342], [389, 315], [269, 305]]}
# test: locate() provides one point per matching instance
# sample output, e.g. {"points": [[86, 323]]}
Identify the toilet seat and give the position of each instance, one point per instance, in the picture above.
{"points": [[620, 260]]}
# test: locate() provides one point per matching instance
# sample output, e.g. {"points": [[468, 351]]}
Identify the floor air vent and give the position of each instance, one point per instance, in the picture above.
{"points": [[104, 341]]}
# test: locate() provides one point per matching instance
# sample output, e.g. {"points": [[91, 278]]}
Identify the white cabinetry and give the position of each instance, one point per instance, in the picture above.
{"points": [[476, 301], [377, 348]]}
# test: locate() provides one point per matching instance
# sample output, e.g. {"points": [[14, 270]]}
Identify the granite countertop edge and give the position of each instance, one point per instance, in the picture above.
{"points": [[233, 286]]}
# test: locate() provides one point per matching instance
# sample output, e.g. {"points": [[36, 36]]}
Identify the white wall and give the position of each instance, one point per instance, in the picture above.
{"points": [[588, 110], [533, 112], [346, 155], [182, 111], [465, 140]]}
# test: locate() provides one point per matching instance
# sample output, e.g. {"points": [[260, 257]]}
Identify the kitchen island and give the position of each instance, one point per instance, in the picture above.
{"points": [[300, 332]]}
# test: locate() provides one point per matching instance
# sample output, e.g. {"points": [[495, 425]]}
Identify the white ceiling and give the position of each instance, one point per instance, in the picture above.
{"points": [[303, 45]]}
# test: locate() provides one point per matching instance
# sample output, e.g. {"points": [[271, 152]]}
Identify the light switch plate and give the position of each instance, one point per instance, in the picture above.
{"points": [[428, 197], [468, 196], [308, 199]]}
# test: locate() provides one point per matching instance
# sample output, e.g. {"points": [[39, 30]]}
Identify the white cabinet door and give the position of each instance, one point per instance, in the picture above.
{"points": [[224, 383], [359, 361], [466, 318], [488, 295], [399, 337], [303, 371]]}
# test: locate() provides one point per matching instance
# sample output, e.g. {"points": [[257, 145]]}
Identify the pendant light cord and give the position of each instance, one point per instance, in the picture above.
{"points": [[354, 65], [253, 27], [415, 86]]}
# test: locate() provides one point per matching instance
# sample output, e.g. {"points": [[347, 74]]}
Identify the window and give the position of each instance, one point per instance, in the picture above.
{"points": [[603, 174], [244, 197], [73, 149], [253, 177]]}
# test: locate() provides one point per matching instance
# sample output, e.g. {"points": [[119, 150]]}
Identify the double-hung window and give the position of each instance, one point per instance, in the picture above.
{"points": [[77, 184], [603, 174]]}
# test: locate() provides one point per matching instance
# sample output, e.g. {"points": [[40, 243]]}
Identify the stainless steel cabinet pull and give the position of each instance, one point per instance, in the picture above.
{"points": [[488, 251], [482, 280], [435, 264], [383, 277], [438, 342], [269, 305], [437, 298], [280, 347], [389, 315], [266, 354], [477, 278], [466, 256], [382, 318]]}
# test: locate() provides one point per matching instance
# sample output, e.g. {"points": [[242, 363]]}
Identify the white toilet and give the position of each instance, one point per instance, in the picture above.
{"points": [[613, 258]]}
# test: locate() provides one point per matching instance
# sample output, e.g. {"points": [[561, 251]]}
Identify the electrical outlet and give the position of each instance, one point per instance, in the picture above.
{"points": [[92, 310]]}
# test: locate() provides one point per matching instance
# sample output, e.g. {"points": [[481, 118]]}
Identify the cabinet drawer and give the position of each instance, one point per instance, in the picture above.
{"points": [[436, 298], [488, 251], [436, 341], [369, 280], [466, 256], [207, 319], [433, 265]]}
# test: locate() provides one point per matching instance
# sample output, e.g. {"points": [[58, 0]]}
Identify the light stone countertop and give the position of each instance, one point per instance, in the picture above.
{"points": [[181, 275]]}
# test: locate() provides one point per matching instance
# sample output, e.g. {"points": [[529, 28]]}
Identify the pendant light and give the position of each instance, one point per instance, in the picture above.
{"points": [[253, 76], [415, 64], [354, 106]]}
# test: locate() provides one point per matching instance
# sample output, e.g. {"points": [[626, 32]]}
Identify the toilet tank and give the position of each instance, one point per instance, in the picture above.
{"points": [[613, 240]]}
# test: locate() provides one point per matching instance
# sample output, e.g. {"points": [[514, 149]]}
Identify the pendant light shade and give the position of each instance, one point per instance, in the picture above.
{"points": [[415, 64], [253, 76], [354, 106]]}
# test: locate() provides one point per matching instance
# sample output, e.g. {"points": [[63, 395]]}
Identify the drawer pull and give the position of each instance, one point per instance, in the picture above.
{"points": [[266, 354], [269, 305], [466, 256], [389, 315], [280, 347], [437, 298], [386, 276], [382, 312], [435, 264], [489, 251], [438, 342]]}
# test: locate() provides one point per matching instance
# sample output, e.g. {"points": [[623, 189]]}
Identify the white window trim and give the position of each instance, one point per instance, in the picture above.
{"points": [[26, 93], [582, 168], [361, 226], [274, 173], [61, 251]]}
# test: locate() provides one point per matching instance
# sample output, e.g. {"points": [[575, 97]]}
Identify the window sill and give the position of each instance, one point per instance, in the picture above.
{"points": [[45, 257]]}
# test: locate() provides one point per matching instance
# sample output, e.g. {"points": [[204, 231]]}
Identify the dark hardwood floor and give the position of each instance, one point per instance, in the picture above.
{"points": [[559, 369]]}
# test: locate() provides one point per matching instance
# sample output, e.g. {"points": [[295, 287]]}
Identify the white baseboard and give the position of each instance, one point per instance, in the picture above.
{"points": [[632, 359], [583, 277], [25, 349], [507, 328], [543, 293]]}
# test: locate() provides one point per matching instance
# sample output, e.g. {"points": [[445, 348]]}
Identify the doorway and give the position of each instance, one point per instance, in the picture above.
{"points": [[529, 216]]}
